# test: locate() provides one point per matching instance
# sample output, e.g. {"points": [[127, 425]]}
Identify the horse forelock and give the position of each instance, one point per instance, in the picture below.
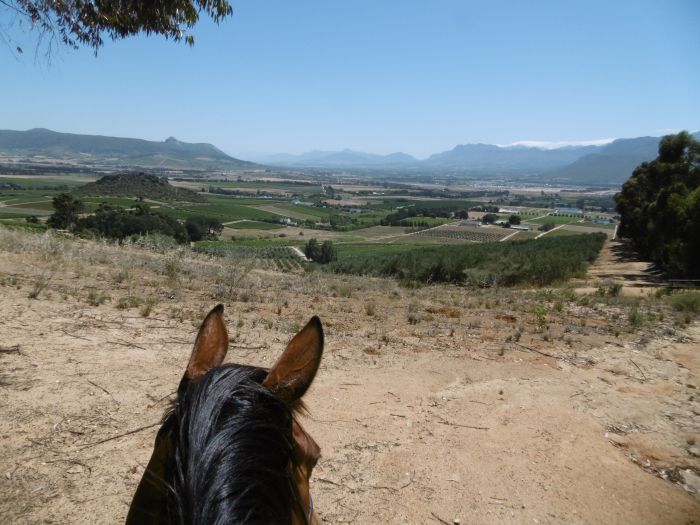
{"points": [[232, 449]]}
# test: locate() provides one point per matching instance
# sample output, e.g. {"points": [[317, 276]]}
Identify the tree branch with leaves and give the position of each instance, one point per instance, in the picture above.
{"points": [[86, 23]]}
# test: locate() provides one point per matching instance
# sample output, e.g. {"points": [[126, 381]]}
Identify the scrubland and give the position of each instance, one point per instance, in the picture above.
{"points": [[490, 405]]}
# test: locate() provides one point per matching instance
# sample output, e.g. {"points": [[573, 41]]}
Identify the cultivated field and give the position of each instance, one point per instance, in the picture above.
{"points": [[487, 405]]}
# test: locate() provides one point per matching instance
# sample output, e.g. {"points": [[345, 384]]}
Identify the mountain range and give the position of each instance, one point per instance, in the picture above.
{"points": [[346, 158], [115, 151], [610, 163]]}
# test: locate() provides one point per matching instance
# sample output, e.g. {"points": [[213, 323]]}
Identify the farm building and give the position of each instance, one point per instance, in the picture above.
{"points": [[472, 223]]}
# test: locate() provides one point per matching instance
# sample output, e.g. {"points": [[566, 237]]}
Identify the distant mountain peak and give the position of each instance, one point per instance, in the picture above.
{"points": [[117, 151]]}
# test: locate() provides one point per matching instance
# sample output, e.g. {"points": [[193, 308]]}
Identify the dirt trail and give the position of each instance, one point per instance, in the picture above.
{"points": [[618, 264], [417, 423]]}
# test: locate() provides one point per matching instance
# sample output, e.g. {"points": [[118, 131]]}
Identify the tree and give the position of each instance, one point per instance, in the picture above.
{"points": [[659, 207], [322, 254], [514, 219], [312, 250], [199, 228], [489, 218], [78, 23], [115, 222], [328, 253], [67, 210]]}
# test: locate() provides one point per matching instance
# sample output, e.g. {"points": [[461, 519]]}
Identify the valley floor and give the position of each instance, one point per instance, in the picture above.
{"points": [[497, 406]]}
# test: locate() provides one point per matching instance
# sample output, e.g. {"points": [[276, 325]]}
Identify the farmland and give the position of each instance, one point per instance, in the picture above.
{"points": [[463, 234], [262, 218]]}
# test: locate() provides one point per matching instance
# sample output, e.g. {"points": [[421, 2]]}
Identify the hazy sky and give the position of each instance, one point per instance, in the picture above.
{"points": [[379, 76]]}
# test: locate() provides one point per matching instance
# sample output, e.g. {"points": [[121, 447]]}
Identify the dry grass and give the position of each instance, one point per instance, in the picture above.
{"points": [[432, 356]]}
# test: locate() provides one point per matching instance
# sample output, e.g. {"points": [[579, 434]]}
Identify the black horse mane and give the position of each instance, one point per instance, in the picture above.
{"points": [[232, 451]]}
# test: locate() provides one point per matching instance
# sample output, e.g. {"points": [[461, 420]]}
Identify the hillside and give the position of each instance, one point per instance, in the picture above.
{"points": [[116, 151], [492, 159], [612, 163], [136, 185], [505, 406]]}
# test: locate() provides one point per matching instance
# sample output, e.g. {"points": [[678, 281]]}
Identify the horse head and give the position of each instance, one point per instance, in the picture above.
{"points": [[230, 449]]}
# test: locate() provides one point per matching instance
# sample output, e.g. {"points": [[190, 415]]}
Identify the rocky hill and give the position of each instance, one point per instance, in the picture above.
{"points": [[138, 185]]}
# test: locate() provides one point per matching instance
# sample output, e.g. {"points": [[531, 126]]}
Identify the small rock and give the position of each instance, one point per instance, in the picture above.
{"points": [[691, 480], [694, 451], [75, 469]]}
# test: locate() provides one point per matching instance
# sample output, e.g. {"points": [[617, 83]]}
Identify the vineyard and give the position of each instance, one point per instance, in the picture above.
{"points": [[280, 258], [466, 234], [534, 262]]}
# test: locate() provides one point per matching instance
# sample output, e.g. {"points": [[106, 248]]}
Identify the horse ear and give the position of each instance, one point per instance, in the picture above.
{"points": [[211, 345], [296, 368]]}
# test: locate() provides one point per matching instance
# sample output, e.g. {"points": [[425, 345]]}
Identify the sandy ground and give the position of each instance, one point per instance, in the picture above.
{"points": [[430, 405]]}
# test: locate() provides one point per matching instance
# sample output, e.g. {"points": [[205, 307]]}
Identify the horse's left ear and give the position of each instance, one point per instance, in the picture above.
{"points": [[294, 371], [211, 345]]}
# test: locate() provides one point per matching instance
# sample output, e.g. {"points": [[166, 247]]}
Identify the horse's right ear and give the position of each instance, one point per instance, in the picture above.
{"points": [[296, 368], [211, 345]]}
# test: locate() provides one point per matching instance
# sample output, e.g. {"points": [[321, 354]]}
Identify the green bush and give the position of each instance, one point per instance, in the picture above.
{"points": [[686, 302]]}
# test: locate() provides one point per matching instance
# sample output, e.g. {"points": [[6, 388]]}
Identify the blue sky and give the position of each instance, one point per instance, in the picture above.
{"points": [[379, 76]]}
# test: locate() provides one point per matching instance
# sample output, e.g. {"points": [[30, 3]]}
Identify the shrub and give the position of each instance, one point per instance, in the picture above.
{"points": [[95, 299], [40, 284], [686, 302], [609, 290], [147, 307], [635, 318]]}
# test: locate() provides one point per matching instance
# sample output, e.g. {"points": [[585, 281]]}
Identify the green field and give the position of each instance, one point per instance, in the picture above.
{"points": [[369, 249], [313, 189], [561, 233], [555, 219], [321, 213], [45, 182], [254, 225], [425, 221], [9, 213], [225, 212], [594, 225]]}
